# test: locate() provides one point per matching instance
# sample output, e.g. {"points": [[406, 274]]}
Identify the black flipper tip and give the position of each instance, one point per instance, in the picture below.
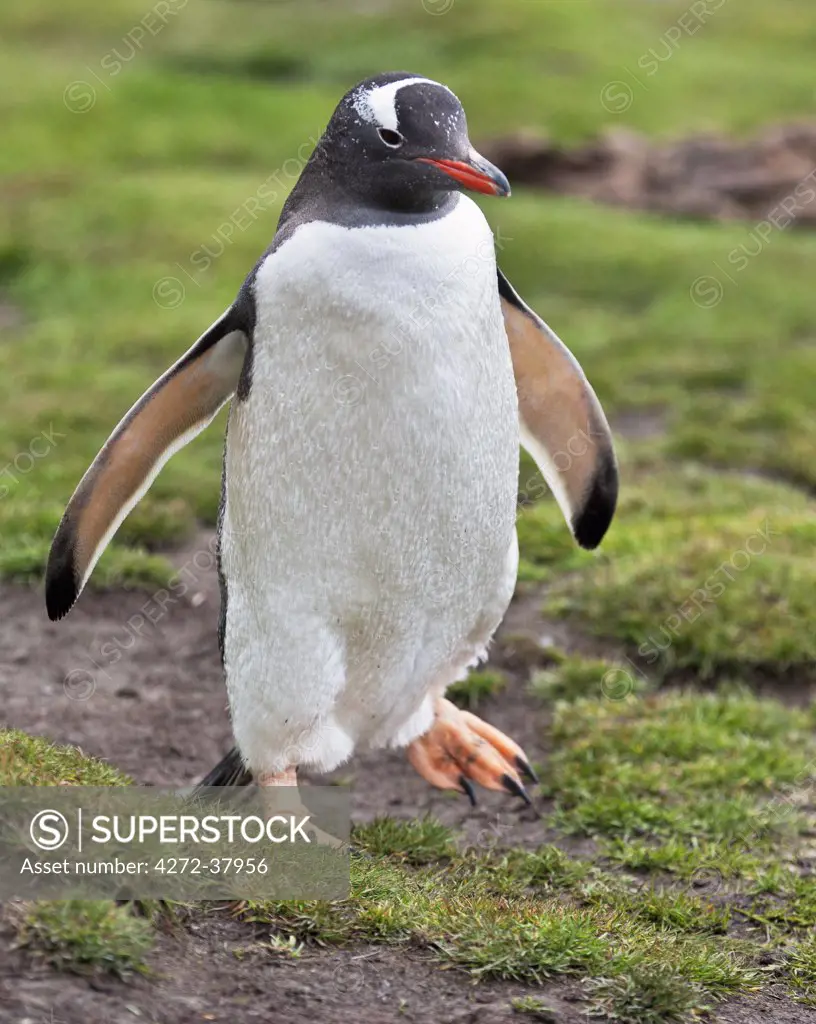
{"points": [[62, 583], [589, 526], [61, 593]]}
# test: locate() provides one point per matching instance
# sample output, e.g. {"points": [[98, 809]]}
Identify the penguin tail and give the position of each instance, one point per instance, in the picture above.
{"points": [[230, 771]]}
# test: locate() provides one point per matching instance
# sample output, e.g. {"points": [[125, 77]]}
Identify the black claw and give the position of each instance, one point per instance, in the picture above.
{"points": [[526, 769], [468, 790], [516, 789]]}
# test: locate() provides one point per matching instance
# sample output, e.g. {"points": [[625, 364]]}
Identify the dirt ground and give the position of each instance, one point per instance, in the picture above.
{"points": [[705, 177], [200, 979], [154, 704]]}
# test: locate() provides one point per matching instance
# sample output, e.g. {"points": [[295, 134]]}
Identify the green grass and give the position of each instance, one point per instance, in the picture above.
{"points": [[801, 962], [700, 573], [100, 206], [87, 936], [494, 923], [571, 677], [536, 1007], [648, 995], [501, 918], [81, 936], [660, 766], [32, 761], [422, 841], [479, 685], [695, 805]]}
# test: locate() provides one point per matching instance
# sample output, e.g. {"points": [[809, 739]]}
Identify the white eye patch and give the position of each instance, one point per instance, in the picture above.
{"points": [[379, 105]]}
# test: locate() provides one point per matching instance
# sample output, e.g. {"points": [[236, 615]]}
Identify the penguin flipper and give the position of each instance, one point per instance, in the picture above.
{"points": [[168, 415], [562, 423]]}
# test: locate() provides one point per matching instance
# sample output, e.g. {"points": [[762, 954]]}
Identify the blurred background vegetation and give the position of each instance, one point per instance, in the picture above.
{"points": [[145, 158]]}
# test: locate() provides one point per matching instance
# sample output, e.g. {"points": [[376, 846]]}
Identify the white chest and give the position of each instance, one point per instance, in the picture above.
{"points": [[372, 471], [381, 370]]}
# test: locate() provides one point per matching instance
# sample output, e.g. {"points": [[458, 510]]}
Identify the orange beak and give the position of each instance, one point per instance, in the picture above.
{"points": [[476, 174]]}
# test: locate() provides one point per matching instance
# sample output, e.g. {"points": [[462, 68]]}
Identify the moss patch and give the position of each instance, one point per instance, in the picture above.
{"points": [[697, 574], [85, 936], [660, 766], [31, 761], [479, 685]]}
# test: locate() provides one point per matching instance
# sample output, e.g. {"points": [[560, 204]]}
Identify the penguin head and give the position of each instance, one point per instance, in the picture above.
{"points": [[400, 141]]}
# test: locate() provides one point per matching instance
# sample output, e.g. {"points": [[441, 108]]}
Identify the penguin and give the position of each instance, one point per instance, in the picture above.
{"points": [[383, 373]]}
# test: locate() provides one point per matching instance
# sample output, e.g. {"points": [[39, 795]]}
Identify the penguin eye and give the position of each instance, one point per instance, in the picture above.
{"points": [[391, 138]]}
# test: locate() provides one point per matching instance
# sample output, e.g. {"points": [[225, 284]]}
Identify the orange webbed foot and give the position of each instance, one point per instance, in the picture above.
{"points": [[460, 749]]}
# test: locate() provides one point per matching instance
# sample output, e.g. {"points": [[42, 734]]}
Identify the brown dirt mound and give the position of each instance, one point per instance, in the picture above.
{"points": [[704, 176]]}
